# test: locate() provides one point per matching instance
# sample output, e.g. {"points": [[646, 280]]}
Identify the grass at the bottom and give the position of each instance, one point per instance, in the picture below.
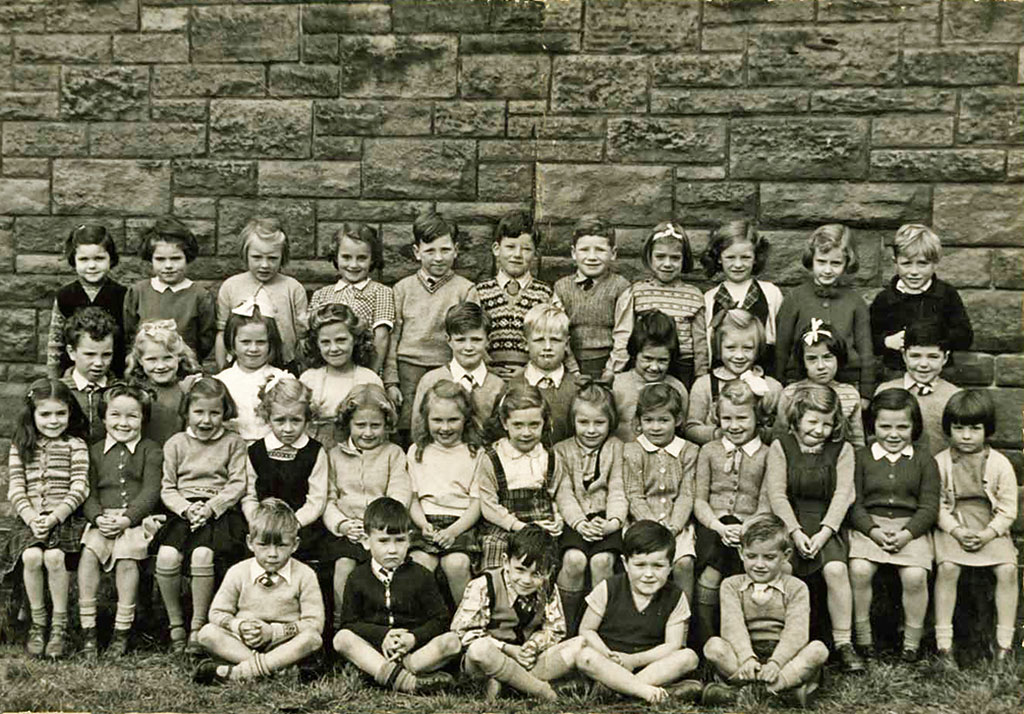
{"points": [[150, 682]]}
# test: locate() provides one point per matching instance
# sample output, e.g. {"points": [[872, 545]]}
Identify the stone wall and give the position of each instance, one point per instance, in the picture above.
{"points": [[796, 112]]}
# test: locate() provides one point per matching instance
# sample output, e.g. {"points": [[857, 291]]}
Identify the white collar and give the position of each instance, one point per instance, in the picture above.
{"points": [[216, 435], [478, 374], [775, 584], [503, 279], [909, 382], [533, 374], [81, 381], [511, 453], [161, 287], [579, 277], [342, 284], [273, 443], [110, 442], [737, 290], [725, 375], [902, 287], [878, 452], [750, 448], [256, 571], [673, 448]]}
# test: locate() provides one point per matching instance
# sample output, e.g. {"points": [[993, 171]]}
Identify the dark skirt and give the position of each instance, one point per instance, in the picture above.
{"points": [[468, 542], [834, 550], [225, 536], [682, 369], [66, 536], [314, 541], [570, 540], [712, 551], [335, 547]]}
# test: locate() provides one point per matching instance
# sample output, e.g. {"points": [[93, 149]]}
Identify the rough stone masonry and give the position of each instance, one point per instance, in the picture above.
{"points": [[796, 112]]}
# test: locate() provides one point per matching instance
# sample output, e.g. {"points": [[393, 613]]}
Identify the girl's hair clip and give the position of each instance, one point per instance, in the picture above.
{"points": [[814, 332], [669, 232], [758, 385], [273, 381], [151, 326]]}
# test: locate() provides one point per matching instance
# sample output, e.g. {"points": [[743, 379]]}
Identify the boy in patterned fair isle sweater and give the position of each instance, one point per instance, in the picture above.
{"points": [[268, 612], [512, 291], [596, 300]]}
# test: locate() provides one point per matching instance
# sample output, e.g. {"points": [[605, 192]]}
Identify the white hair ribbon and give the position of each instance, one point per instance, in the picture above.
{"points": [[814, 332], [758, 385], [669, 232]]}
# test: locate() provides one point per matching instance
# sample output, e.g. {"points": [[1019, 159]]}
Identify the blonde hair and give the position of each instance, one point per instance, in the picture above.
{"points": [[285, 390], [916, 239], [163, 333], [366, 395], [739, 321], [267, 230], [816, 398], [545, 316], [829, 237]]}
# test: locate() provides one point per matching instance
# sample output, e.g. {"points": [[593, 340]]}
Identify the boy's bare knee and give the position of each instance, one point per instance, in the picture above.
{"points": [[574, 563], [167, 557], [483, 653], [586, 660], [456, 564], [817, 652], [32, 558], [309, 641], [344, 640], [53, 559], [449, 644], [688, 660], [208, 633], [716, 649]]}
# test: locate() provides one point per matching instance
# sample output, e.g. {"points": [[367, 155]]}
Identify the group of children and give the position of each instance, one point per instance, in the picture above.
{"points": [[584, 462]]}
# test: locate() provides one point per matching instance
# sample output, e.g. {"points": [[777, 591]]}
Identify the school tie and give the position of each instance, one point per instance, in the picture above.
{"points": [[525, 608], [546, 383], [733, 459], [267, 580], [923, 389], [467, 383], [591, 468], [587, 284], [512, 288]]}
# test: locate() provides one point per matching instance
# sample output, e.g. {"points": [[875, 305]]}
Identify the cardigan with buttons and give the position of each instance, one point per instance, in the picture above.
{"points": [[909, 487], [119, 478]]}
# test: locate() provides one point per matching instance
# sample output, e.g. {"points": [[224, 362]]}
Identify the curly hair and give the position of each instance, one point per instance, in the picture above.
{"points": [[94, 322], [447, 389], [727, 234], [25, 437], [286, 390], [338, 313], [362, 396], [162, 333]]}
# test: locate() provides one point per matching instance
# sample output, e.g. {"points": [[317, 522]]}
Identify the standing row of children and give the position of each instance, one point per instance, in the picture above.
{"points": [[320, 443]]}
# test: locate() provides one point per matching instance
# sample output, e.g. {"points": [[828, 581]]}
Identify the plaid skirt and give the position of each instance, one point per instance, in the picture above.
{"points": [[468, 542], [528, 505], [66, 536]]}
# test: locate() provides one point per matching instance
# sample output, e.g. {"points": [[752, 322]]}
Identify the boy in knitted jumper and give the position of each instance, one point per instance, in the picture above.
{"points": [[765, 621], [597, 301], [268, 613], [90, 336]]}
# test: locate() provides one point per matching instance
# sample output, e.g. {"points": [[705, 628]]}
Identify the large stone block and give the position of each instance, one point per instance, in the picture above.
{"points": [[62, 49], [661, 140], [296, 217], [211, 80], [46, 234], [505, 182], [441, 15], [954, 66], [519, 15], [710, 202], [182, 110], [597, 83], [875, 100], [105, 93], [912, 130], [34, 77], [248, 128], [739, 100], [823, 55], [970, 369], [1009, 370], [993, 115], [743, 11], [371, 117], [27, 168], [508, 76], [469, 118], [214, 178], [18, 334], [338, 148], [320, 48], [937, 164], [151, 48], [982, 22], [164, 19], [487, 212], [550, 126], [329, 179], [640, 26], [996, 317], [637, 195], [961, 267], [813, 148], [1008, 268], [93, 16], [874, 205], [406, 66], [45, 139], [346, 17], [982, 214], [1009, 418], [303, 80], [229, 33], [24, 196], [191, 207], [345, 209], [35, 290], [419, 168], [719, 69], [99, 187], [519, 43], [147, 139], [878, 11]]}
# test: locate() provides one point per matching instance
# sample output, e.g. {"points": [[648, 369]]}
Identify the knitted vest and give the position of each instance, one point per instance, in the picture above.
{"points": [[591, 313], [506, 343], [680, 302], [504, 623], [72, 297], [811, 477], [624, 629], [287, 480]]}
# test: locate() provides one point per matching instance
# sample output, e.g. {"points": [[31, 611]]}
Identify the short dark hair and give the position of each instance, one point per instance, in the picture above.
{"points": [[531, 545], [430, 226], [895, 399], [465, 316], [668, 231], [388, 515], [237, 321], [93, 321], [765, 527], [968, 407], [926, 333], [648, 536], [824, 335], [362, 234], [724, 235], [123, 389], [653, 327], [209, 388], [592, 226], [514, 224], [90, 234], [168, 229]]}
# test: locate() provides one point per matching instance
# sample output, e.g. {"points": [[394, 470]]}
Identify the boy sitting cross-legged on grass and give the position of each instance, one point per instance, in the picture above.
{"points": [[268, 612], [511, 622], [765, 621], [636, 622], [393, 618]]}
